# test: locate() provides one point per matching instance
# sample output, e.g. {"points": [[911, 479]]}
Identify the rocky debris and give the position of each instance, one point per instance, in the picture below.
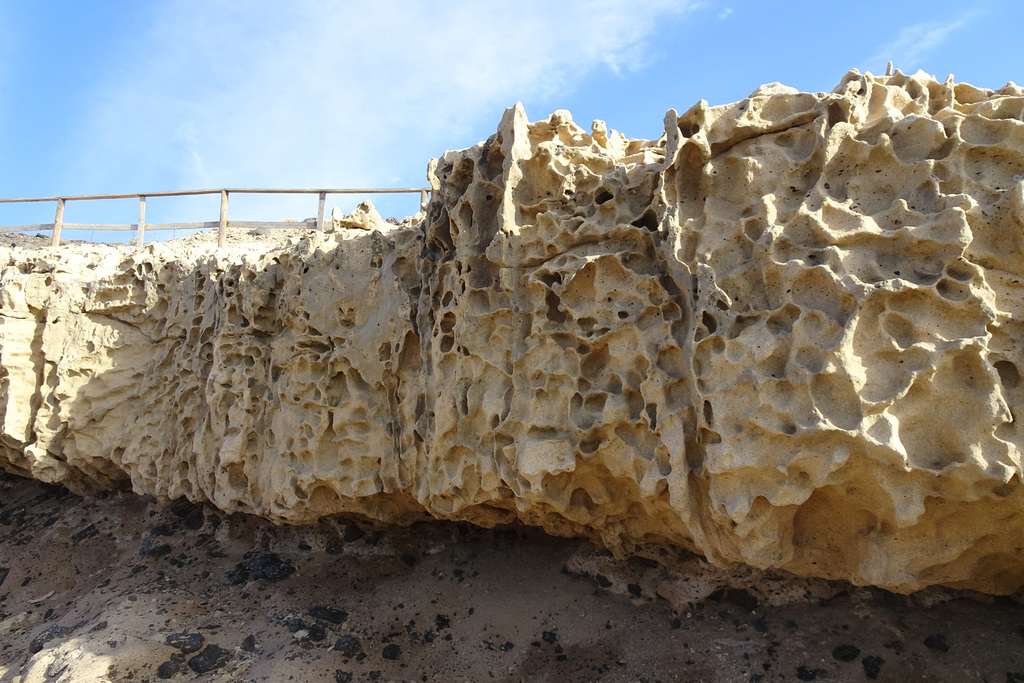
{"points": [[516, 613]]}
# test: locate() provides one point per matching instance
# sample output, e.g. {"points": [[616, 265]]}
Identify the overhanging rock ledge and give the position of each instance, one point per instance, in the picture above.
{"points": [[788, 333]]}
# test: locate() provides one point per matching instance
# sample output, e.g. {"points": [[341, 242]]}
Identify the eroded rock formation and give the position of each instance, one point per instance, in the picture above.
{"points": [[788, 333]]}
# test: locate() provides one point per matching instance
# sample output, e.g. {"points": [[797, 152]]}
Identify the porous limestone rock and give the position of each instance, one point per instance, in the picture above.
{"points": [[787, 334], [363, 217]]}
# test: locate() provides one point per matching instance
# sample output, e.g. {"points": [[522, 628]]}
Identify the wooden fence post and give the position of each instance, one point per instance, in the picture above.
{"points": [[320, 213], [140, 234], [223, 234], [57, 222]]}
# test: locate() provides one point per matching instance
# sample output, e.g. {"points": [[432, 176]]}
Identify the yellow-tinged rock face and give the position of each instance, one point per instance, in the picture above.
{"points": [[789, 333]]}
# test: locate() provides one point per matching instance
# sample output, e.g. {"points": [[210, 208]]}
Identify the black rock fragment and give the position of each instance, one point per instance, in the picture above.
{"points": [[936, 641], [4, 571], [85, 533], [187, 643], [349, 646], [896, 646], [342, 676], [270, 567], [872, 667], [846, 653], [442, 621], [549, 637], [213, 657], [329, 614], [150, 547], [249, 644], [195, 521], [391, 652], [171, 667], [804, 673], [46, 636], [238, 575]]}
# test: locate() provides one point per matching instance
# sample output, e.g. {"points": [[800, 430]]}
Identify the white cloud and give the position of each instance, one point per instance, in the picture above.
{"points": [[724, 14], [914, 43], [341, 93]]}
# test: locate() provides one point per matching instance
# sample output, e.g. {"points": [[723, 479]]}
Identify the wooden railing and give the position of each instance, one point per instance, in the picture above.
{"points": [[223, 224]]}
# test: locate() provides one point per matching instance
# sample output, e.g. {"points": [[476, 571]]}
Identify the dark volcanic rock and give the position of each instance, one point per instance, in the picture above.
{"points": [[213, 657], [872, 667], [150, 547], [171, 667], [329, 614], [846, 653], [186, 642], [46, 636], [315, 633], [85, 533], [270, 567], [348, 646]]}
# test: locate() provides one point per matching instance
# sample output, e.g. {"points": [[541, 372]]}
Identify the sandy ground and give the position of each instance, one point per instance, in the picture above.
{"points": [[120, 589]]}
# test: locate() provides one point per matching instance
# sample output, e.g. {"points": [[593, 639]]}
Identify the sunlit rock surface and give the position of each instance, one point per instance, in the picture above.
{"points": [[788, 333]]}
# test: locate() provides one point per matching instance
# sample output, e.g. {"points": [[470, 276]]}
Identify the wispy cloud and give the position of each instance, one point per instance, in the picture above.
{"points": [[914, 43], [724, 14], [331, 92]]}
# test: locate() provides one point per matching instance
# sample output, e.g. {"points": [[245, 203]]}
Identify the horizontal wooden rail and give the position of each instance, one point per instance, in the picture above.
{"points": [[187, 193], [222, 225], [308, 224]]}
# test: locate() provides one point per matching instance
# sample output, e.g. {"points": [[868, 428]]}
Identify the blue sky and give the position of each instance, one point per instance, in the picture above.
{"points": [[179, 94]]}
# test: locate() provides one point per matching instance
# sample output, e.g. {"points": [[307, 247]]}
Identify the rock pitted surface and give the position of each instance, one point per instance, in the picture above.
{"points": [[788, 334]]}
